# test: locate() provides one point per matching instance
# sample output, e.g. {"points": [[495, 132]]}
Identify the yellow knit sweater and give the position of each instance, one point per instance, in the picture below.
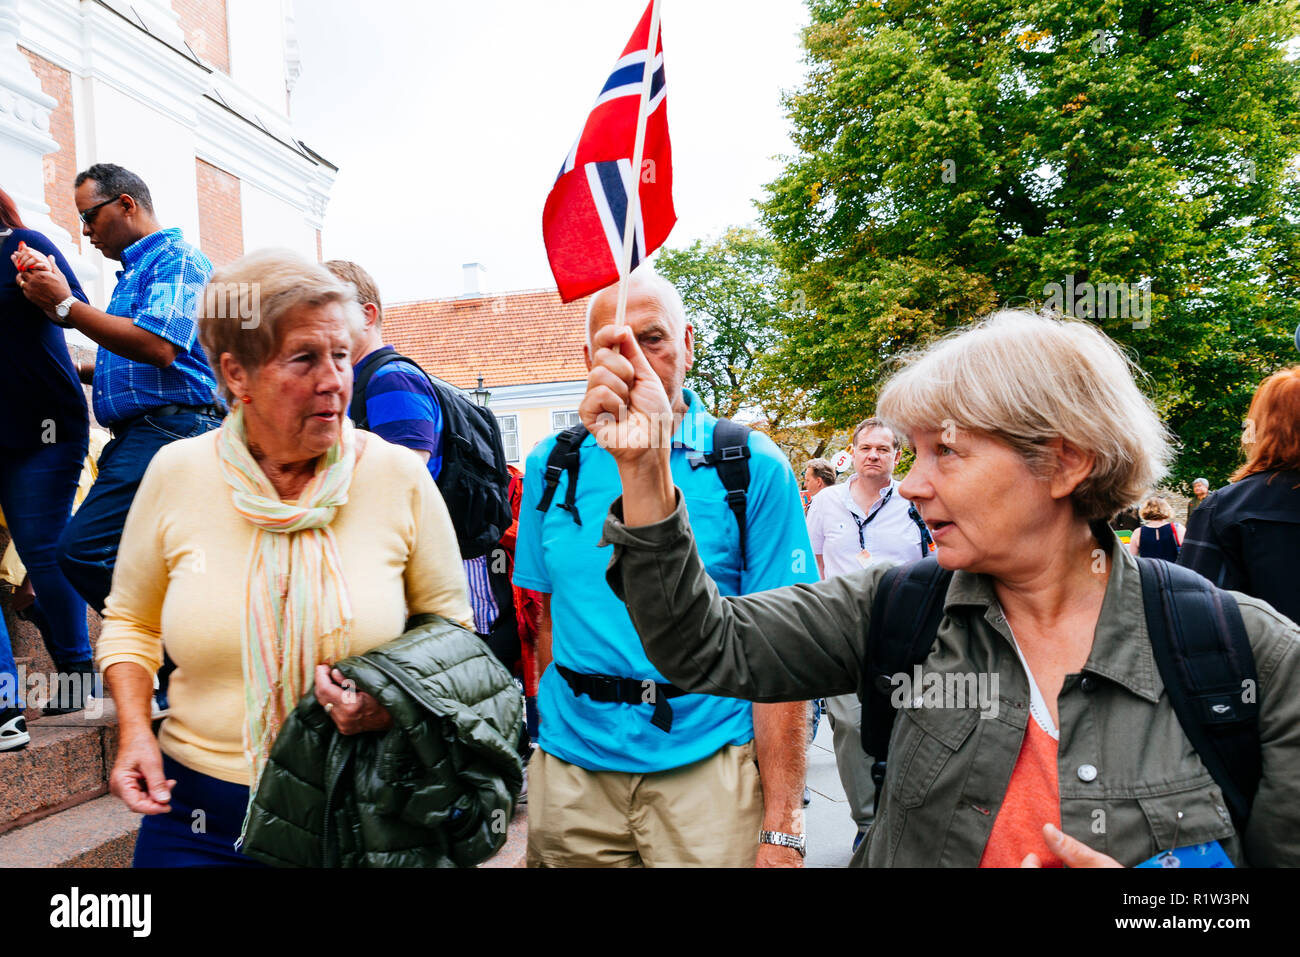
{"points": [[182, 566]]}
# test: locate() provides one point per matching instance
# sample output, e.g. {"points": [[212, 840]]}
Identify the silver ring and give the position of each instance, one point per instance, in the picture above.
{"points": [[329, 706]]}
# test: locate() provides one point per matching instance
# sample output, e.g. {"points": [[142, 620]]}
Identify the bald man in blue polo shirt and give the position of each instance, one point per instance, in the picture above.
{"points": [[722, 786]]}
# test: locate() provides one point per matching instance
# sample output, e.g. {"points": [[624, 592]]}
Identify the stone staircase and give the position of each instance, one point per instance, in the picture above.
{"points": [[55, 809]]}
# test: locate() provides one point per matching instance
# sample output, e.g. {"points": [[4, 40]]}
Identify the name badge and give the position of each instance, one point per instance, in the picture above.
{"points": [[1198, 855], [864, 558]]}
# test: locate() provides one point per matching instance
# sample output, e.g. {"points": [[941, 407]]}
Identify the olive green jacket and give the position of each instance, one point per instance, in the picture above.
{"points": [[437, 789], [1125, 767]]}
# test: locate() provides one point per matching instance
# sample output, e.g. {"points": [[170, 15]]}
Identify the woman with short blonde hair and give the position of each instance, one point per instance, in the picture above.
{"points": [[245, 303], [1028, 432], [1033, 382], [259, 555]]}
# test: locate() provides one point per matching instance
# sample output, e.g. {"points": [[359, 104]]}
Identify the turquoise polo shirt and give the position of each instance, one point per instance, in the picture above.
{"points": [[590, 629]]}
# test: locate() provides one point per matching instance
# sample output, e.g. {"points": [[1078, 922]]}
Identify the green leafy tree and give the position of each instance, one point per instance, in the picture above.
{"points": [[954, 156], [736, 298]]}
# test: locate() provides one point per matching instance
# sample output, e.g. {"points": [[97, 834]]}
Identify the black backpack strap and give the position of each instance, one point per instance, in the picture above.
{"points": [[1201, 648], [361, 379], [634, 691], [730, 456], [564, 458], [927, 542], [905, 617]]}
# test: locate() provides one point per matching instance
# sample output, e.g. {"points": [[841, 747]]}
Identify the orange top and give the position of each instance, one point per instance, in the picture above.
{"points": [[1033, 795], [1033, 799]]}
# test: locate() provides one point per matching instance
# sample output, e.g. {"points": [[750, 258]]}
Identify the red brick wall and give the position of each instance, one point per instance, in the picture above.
{"points": [[204, 23], [61, 165], [221, 218]]}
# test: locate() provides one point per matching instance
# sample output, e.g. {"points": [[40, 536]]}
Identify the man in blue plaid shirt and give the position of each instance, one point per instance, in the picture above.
{"points": [[152, 382]]}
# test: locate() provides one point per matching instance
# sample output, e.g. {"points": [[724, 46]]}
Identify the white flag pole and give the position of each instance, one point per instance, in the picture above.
{"points": [[634, 196]]}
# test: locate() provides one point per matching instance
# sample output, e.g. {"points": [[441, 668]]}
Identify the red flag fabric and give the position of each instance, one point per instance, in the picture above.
{"points": [[586, 212]]}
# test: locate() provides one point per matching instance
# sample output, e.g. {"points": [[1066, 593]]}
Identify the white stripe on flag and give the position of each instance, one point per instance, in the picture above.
{"points": [[636, 56], [631, 185], [631, 89], [613, 232], [627, 89]]}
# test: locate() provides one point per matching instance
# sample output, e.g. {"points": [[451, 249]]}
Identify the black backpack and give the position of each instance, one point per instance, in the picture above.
{"points": [[1197, 637], [474, 480], [730, 456]]}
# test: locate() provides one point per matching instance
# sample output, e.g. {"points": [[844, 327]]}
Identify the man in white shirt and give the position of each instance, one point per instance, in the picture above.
{"points": [[853, 525]]}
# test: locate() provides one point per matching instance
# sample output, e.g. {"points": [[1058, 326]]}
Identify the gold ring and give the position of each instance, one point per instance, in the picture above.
{"points": [[329, 706]]}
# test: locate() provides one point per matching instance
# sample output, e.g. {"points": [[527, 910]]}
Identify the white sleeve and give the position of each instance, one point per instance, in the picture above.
{"points": [[817, 523]]}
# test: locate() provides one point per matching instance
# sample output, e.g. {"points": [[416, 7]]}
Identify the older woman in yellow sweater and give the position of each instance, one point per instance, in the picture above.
{"points": [[258, 555]]}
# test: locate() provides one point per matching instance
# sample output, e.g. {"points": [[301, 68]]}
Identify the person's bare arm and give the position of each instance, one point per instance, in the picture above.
{"points": [[626, 409], [119, 335], [821, 566], [780, 736], [45, 286], [544, 638], [137, 775]]}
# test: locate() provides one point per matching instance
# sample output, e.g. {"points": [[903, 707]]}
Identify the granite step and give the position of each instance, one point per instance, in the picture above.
{"points": [[98, 833], [66, 763], [55, 809]]}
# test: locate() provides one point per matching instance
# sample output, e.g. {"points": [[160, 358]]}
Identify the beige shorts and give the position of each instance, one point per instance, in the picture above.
{"points": [[706, 814]]}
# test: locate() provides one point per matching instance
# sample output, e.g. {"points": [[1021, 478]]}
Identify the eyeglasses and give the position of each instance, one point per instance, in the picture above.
{"points": [[88, 215]]}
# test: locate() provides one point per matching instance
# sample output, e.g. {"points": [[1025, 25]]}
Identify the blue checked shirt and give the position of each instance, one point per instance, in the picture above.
{"points": [[159, 288]]}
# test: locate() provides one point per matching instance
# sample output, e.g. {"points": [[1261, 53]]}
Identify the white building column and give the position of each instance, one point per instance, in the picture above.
{"points": [[24, 125], [24, 141]]}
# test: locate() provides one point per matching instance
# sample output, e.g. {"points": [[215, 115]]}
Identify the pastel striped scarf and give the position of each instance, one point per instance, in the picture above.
{"points": [[298, 612]]}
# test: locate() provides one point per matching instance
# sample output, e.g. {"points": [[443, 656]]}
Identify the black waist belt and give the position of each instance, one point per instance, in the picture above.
{"points": [[213, 410], [626, 691]]}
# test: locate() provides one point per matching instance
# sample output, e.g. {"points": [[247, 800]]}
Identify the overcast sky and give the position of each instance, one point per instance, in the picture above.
{"points": [[449, 121]]}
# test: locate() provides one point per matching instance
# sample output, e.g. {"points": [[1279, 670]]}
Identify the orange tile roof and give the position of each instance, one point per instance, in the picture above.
{"points": [[512, 338]]}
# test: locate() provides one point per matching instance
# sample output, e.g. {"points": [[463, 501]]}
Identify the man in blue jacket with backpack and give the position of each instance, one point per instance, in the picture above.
{"points": [[630, 771]]}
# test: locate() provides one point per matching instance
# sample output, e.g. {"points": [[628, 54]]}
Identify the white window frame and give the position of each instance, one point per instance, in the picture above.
{"points": [[510, 434], [571, 419]]}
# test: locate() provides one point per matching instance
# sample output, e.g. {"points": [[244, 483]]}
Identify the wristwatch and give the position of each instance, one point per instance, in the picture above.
{"points": [[797, 841], [62, 310]]}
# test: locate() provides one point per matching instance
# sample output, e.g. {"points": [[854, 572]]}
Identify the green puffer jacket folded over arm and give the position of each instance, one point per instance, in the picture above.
{"points": [[437, 789]]}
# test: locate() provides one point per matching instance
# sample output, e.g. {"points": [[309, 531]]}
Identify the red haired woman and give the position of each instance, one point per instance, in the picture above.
{"points": [[1246, 536]]}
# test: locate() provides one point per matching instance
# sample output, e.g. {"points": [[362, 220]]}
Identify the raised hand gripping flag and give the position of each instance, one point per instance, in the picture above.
{"points": [[585, 218]]}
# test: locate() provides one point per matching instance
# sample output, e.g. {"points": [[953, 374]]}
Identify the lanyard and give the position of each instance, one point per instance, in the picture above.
{"points": [[875, 510]]}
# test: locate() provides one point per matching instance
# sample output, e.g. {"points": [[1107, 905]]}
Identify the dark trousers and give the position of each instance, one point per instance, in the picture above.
{"points": [[88, 548], [37, 486], [202, 827]]}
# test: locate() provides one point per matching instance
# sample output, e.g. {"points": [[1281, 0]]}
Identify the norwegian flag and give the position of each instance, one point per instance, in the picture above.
{"points": [[585, 217]]}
